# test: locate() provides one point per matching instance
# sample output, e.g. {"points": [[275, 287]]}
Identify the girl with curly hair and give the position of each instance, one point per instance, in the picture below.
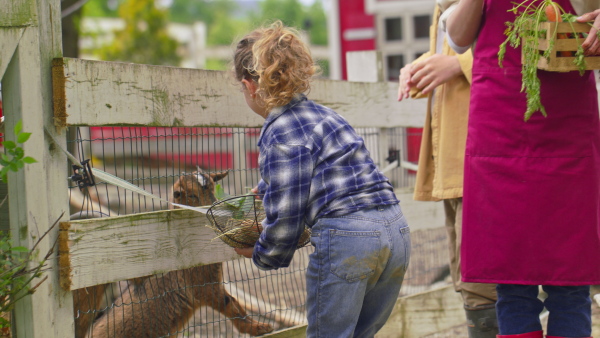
{"points": [[316, 171]]}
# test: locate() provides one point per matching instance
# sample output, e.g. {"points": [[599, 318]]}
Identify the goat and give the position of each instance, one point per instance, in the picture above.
{"points": [[161, 306]]}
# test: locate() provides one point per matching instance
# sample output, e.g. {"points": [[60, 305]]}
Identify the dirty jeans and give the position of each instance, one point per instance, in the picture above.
{"points": [[569, 308], [354, 275]]}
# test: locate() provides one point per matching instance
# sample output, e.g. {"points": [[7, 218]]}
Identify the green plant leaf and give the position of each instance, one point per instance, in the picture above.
{"points": [[23, 137], [4, 323], [29, 160], [18, 127], [19, 153], [9, 144]]}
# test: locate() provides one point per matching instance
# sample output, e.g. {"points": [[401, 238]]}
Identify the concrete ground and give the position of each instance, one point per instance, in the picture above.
{"points": [[461, 330]]}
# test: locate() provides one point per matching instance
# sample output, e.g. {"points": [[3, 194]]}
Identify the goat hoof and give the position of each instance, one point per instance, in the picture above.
{"points": [[258, 329]]}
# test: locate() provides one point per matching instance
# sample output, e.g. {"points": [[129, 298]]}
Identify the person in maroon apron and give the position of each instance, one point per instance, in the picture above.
{"points": [[531, 203]]}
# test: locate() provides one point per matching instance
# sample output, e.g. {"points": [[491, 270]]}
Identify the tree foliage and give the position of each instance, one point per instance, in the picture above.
{"points": [[225, 19], [144, 38], [101, 8], [311, 19], [290, 12], [188, 11], [223, 23], [225, 29], [317, 29]]}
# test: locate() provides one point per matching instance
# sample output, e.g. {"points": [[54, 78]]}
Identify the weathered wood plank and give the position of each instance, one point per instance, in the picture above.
{"points": [[108, 93], [9, 40], [413, 316], [424, 313], [292, 332], [37, 193], [103, 250], [251, 303], [17, 13]]}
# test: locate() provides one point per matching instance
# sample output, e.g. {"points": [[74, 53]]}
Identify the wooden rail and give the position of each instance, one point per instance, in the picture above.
{"points": [[111, 249], [97, 93]]}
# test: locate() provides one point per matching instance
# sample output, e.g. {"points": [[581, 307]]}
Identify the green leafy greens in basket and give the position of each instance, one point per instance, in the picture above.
{"points": [[526, 30], [239, 206]]}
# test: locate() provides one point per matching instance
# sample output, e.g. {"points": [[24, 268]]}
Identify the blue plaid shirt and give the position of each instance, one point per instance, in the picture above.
{"points": [[312, 164]]}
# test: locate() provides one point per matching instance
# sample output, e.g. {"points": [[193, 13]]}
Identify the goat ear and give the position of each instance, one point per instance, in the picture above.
{"points": [[219, 176]]}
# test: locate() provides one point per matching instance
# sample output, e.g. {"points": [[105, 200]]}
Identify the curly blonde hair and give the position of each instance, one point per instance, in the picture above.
{"points": [[277, 60]]}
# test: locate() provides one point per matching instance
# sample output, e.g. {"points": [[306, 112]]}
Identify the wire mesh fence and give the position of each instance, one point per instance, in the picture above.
{"points": [[230, 299]]}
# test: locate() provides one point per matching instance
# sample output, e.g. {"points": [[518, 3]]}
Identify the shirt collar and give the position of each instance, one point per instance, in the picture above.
{"points": [[278, 111]]}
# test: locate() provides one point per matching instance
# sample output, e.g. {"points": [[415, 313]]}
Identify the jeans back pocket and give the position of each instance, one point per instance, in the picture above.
{"points": [[354, 255]]}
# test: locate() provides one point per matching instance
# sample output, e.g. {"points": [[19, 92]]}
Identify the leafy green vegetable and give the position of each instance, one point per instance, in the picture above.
{"points": [[525, 31], [220, 193], [240, 206]]}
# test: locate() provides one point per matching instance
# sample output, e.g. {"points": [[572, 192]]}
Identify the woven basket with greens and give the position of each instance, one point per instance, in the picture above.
{"points": [[237, 221]]}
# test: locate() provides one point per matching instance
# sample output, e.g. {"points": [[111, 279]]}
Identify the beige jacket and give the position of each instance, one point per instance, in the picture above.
{"points": [[585, 6], [441, 158]]}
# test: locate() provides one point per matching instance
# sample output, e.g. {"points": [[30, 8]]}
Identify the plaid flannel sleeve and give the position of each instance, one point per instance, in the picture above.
{"points": [[287, 173]]}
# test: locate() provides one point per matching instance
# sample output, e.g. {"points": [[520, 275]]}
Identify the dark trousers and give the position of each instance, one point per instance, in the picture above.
{"points": [[570, 310]]}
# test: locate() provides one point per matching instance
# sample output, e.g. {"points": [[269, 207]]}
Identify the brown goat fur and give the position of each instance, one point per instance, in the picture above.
{"points": [[86, 301], [162, 306]]}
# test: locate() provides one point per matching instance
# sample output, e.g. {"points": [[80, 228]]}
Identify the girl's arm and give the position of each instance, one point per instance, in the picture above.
{"points": [[463, 23]]}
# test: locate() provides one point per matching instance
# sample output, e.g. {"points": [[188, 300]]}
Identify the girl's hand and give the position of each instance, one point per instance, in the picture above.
{"points": [[404, 83], [246, 252], [434, 71], [255, 191], [591, 45]]}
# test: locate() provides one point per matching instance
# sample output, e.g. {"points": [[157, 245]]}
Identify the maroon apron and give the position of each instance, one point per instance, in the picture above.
{"points": [[532, 191]]}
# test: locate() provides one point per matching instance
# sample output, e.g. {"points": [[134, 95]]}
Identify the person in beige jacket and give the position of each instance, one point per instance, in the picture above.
{"points": [[444, 77]]}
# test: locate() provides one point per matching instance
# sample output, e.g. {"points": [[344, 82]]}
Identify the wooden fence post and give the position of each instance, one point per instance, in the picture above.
{"points": [[367, 66], [38, 192]]}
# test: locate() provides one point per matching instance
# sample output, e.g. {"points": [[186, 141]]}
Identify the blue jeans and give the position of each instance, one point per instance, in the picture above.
{"points": [[570, 310], [354, 274]]}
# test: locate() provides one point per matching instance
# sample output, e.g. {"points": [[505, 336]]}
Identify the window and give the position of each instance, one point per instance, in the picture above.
{"points": [[421, 26], [393, 29], [394, 64]]}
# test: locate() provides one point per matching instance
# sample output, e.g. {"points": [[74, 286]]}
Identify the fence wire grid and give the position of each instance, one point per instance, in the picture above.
{"points": [[154, 159]]}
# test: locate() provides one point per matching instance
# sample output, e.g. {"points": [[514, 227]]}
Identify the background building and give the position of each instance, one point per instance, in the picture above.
{"points": [[397, 28]]}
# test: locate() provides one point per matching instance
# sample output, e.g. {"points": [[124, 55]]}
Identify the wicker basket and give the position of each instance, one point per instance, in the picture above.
{"points": [[237, 221], [557, 62]]}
